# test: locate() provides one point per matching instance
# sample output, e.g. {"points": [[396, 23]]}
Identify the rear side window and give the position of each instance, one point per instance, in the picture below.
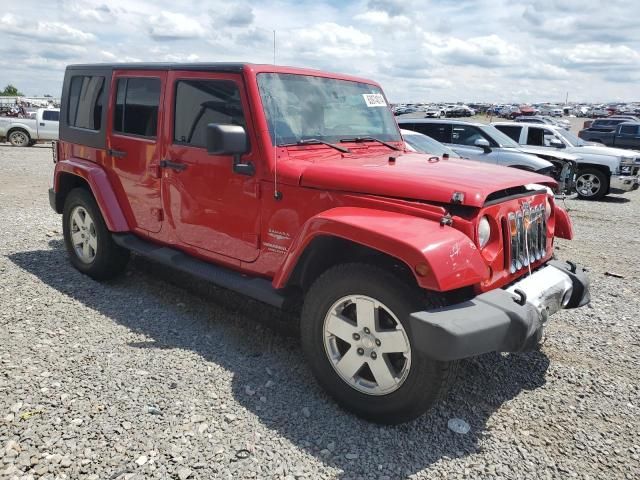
{"points": [[51, 115], [628, 129], [137, 101], [201, 102], [438, 131], [85, 102], [512, 132]]}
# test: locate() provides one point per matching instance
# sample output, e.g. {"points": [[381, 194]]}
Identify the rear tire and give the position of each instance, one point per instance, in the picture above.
{"points": [[19, 138], [335, 340], [592, 184], [91, 249]]}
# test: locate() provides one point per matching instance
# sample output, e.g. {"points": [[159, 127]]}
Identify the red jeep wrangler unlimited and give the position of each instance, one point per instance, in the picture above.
{"points": [[294, 187]]}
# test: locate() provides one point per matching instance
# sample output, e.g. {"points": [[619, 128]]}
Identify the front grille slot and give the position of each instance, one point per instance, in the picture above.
{"points": [[527, 230]]}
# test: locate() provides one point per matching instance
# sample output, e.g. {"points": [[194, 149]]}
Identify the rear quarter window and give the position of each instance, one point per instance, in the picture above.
{"points": [[85, 102]]}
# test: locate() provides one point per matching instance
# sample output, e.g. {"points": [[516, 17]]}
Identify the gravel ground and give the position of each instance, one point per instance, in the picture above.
{"points": [[154, 375]]}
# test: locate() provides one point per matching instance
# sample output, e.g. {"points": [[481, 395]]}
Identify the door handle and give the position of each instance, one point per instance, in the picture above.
{"points": [[116, 153], [177, 166], [42, 124]]}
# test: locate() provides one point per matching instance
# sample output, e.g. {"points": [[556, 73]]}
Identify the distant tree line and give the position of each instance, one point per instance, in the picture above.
{"points": [[11, 91]]}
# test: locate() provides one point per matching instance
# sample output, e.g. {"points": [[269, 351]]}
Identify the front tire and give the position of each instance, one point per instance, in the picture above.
{"points": [[591, 184], [357, 340], [89, 244]]}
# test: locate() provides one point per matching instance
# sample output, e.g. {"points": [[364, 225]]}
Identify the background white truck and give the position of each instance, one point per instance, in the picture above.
{"points": [[24, 132]]}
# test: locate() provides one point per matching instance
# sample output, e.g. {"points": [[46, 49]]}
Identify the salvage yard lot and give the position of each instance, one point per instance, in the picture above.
{"points": [[155, 375]]}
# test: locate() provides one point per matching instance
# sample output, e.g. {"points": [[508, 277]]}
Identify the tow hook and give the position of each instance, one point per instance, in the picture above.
{"points": [[523, 297]]}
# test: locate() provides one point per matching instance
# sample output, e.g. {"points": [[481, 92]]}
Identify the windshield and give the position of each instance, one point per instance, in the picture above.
{"points": [[423, 144], [300, 107], [500, 138], [573, 139]]}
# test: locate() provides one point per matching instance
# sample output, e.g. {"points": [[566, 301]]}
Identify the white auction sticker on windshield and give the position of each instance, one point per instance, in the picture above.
{"points": [[374, 100]]}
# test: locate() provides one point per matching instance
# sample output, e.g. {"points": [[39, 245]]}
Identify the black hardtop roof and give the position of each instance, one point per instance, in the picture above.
{"points": [[205, 67]]}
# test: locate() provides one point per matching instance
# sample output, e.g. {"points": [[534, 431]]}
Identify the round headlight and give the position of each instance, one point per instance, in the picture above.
{"points": [[484, 232]]}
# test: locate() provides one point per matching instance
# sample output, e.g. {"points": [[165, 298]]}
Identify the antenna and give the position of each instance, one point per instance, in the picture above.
{"points": [[276, 193]]}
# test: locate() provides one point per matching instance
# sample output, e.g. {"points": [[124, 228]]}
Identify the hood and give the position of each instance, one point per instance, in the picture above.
{"points": [[416, 176], [616, 152], [545, 151]]}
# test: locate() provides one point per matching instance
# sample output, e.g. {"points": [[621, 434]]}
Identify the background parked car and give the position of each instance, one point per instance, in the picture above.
{"points": [[625, 135], [418, 142], [600, 169], [25, 132], [480, 142]]}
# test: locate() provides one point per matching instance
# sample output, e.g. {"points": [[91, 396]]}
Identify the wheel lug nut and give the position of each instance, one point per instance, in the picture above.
{"points": [[374, 355], [356, 336], [378, 343], [366, 330], [360, 351]]}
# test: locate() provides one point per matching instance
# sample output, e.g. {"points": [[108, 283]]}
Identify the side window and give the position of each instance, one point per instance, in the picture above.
{"points": [[465, 135], [201, 102], [512, 132], [136, 111], [85, 102], [438, 131], [536, 137], [51, 115], [628, 130]]}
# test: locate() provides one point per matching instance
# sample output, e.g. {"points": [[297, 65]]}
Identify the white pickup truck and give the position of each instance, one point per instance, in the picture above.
{"points": [[24, 132]]}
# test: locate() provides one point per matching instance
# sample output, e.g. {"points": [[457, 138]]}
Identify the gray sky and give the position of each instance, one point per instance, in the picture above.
{"points": [[486, 50]]}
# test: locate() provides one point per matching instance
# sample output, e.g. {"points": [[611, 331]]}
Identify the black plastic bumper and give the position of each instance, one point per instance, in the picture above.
{"points": [[491, 322]]}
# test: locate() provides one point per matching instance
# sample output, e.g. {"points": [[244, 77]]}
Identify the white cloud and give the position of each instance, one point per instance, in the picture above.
{"points": [[174, 26], [52, 32]]}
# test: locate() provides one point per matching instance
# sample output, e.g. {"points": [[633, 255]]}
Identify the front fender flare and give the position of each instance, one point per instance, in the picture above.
{"points": [[452, 259], [101, 188]]}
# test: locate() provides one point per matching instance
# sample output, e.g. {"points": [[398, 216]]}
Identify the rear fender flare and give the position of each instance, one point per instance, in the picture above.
{"points": [[101, 188], [452, 259]]}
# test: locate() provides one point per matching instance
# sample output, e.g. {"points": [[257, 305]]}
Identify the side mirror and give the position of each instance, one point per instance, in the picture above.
{"points": [[555, 143], [484, 144], [229, 140], [226, 139]]}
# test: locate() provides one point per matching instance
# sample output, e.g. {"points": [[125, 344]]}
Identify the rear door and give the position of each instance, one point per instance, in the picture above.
{"points": [[48, 125], [628, 137], [210, 206], [136, 111]]}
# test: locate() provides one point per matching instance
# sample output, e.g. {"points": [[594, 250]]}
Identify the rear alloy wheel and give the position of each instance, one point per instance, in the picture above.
{"points": [[591, 184], [19, 138], [89, 244], [357, 339]]}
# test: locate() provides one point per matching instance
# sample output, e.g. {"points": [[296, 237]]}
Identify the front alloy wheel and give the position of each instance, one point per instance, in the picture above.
{"points": [[356, 337], [591, 184], [367, 345]]}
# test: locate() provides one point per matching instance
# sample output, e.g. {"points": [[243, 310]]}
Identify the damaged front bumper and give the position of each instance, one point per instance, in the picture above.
{"points": [[502, 320]]}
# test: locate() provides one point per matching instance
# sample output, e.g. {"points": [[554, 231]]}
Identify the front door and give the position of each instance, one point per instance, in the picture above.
{"points": [[132, 146], [210, 206], [48, 125]]}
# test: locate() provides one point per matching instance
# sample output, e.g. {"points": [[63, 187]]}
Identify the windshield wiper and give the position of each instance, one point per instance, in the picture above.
{"points": [[369, 139], [315, 141]]}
